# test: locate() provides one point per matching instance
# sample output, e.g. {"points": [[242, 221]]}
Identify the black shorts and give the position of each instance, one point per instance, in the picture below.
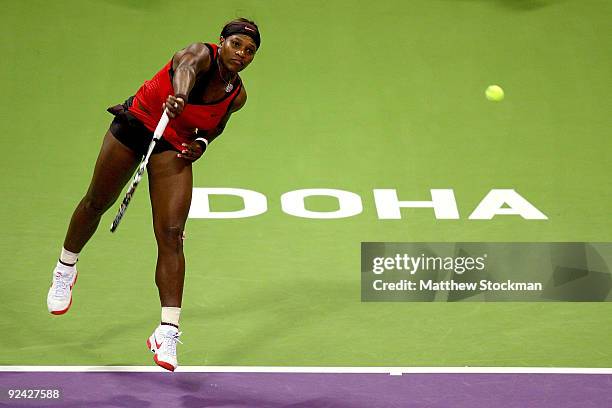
{"points": [[132, 133]]}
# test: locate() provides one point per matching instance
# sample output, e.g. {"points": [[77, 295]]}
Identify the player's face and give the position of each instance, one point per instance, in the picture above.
{"points": [[237, 51]]}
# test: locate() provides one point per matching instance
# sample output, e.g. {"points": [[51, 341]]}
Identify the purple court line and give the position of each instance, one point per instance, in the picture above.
{"points": [[310, 390]]}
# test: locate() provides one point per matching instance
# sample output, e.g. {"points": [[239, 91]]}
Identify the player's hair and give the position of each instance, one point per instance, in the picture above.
{"points": [[241, 20], [238, 25]]}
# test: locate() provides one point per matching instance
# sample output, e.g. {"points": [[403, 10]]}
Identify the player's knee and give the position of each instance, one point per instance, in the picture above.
{"points": [[170, 237], [96, 204]]}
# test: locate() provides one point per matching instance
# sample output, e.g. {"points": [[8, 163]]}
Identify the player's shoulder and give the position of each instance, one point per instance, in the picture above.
{"points": [[194, 54], [197, 48]]}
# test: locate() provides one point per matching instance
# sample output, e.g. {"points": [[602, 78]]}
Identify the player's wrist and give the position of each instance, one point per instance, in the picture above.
{"points": [[202, 142], [181, 96]]}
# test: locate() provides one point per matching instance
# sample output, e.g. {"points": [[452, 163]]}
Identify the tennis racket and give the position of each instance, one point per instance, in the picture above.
{"points": [[159, 131]]}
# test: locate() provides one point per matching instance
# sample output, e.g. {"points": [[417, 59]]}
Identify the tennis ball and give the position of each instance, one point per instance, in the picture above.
{"points": [[494, 93]]}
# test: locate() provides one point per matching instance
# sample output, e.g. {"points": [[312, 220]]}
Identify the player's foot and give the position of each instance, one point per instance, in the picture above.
{"points": [[59, 297], [163, 343]]}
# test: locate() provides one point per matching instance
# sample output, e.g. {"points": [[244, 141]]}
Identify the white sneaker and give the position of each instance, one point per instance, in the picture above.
{"points": [[163, 343], [59, 297]]}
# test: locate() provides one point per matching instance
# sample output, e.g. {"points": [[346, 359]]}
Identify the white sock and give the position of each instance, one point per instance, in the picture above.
{"points": [[68, 258], [171, 315]]}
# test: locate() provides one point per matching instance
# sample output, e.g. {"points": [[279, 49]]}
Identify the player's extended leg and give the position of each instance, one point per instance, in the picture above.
{"points": [[113, 169], [170, 186], [115, 165]]}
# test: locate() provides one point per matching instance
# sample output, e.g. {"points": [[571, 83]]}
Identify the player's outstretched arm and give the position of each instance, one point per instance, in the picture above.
{"points": [[187, 64]]}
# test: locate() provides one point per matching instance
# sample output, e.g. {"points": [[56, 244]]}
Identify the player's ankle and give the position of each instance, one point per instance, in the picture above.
{"points": [[68, 258], [170, 316]]}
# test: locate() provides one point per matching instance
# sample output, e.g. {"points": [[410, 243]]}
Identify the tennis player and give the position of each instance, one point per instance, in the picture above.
{"points": [[201, 88]]}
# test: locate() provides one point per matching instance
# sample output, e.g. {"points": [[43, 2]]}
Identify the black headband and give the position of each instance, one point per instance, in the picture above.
{"points": [[242, 28]]}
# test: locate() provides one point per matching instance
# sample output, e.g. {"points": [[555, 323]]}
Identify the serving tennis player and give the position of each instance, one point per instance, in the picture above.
{"points": [[200, 88]]}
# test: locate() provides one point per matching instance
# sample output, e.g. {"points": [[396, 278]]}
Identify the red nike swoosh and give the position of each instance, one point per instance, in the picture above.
{"points": [[157, 345]]}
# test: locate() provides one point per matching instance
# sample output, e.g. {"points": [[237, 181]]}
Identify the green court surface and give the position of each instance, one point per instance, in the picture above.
{"points": [[345, 95]]}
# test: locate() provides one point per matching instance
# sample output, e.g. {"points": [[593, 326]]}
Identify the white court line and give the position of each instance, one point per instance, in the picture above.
{"points": [[316, 370]]}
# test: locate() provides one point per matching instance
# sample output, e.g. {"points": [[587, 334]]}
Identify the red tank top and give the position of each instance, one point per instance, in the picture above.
{"points": [[148, 101]]}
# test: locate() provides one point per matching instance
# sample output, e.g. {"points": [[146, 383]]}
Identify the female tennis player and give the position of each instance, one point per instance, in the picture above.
{"points": [[200, 88]]}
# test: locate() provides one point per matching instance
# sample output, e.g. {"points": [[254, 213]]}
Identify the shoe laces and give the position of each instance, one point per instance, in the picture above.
{"points": [[169, 340], [61, 284]]}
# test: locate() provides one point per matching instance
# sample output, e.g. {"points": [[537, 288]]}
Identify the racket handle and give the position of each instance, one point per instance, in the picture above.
{"points": [[161, 125], [157, 134]]}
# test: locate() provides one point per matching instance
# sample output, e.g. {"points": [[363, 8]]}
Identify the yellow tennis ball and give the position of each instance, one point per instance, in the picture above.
{"points": [[494, 93]]}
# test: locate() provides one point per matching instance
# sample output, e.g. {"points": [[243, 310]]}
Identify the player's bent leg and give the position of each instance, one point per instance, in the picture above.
{"points": [[113, 169], [170, 187]]}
